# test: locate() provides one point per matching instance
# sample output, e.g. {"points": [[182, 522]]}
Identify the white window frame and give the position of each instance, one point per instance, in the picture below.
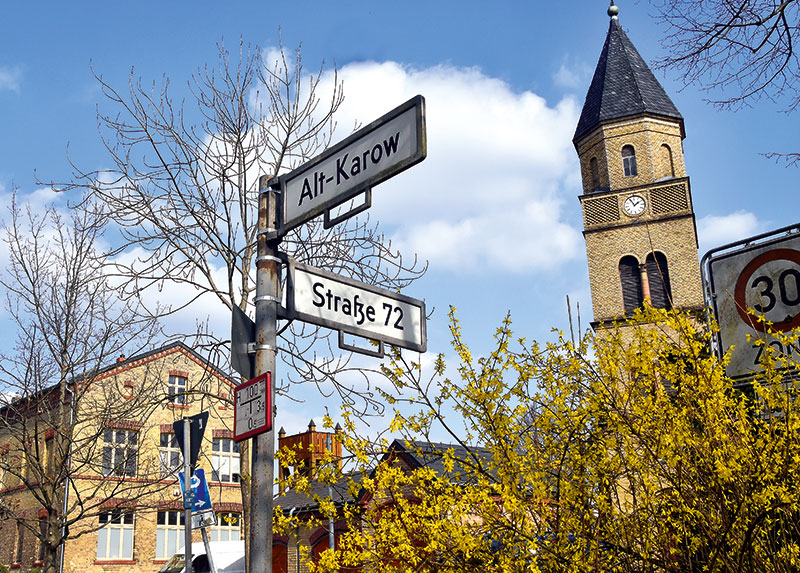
{"points": [[115, 535], [225, 461], [169, 455], [629, 166], [225, 529], [120, 452], [177, 389], [170, 533]]}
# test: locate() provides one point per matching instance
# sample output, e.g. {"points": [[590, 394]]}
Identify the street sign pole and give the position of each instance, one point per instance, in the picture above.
{"points": [[373, 154], [187, 504], [263, 445]]}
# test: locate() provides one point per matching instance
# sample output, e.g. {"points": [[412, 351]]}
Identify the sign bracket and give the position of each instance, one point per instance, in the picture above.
{"points": [[333, 221], [366, 351]]}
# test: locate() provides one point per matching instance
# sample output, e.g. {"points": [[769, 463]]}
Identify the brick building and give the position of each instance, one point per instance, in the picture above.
{"points": [[123, 490], [312, 534], [639, 225]]}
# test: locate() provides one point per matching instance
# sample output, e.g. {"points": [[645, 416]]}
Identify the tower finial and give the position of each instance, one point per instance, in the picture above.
{"points": [[613, 10]]}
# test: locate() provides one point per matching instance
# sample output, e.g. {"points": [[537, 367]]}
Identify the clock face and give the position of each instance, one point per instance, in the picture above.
{"points": [[634, 205]]}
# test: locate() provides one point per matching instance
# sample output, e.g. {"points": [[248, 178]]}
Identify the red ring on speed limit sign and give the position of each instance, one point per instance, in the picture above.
{"points": [[741, 287]]}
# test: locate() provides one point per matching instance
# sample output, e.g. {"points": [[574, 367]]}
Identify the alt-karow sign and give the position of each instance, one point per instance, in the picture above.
{"points": [[750, 287], [340, 303], [373, 154]]}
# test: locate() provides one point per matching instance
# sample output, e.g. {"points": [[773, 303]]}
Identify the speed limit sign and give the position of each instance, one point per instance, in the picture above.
{"points": [[752, 286]]}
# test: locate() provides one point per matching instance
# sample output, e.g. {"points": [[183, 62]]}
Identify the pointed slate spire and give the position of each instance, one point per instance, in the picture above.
{"points": [[622, 85]]}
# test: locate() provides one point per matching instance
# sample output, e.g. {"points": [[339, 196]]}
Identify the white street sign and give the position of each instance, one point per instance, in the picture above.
{"points": [[204, 519], [755, 282], [340, 303], [373, 154], [252, 403]]}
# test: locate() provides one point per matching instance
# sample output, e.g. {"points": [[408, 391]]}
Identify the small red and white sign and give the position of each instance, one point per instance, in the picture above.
{"points": [[252, 407]]}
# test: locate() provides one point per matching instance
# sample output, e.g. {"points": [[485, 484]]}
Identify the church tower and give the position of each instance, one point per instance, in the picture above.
{"points": [[639, 226]]}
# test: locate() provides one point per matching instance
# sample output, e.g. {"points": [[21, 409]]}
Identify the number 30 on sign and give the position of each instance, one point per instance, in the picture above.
{"points": [[252, 407]]}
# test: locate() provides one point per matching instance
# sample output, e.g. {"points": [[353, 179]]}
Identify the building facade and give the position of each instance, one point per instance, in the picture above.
{"points": [[639, 224], [123, 495]]}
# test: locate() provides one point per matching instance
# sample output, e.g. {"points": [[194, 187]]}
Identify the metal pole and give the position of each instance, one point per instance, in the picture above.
{"points": [[208, 550], [65, 507], [331, 538], [187, 491], [263, 445]]}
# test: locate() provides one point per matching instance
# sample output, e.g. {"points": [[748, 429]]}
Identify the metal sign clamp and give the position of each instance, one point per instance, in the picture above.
{"points": [[252, 348], [329, 221], [366, 351]]}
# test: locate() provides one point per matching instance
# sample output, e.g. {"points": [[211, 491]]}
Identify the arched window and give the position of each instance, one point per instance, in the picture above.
{"points": [[280, 554], [318, 541], [658, 277], [666, 164], [629, 161], [631, 280], [595, 172]]}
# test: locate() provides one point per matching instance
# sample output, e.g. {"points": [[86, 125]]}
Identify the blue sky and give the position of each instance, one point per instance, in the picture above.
{"points": [[494, 207]]}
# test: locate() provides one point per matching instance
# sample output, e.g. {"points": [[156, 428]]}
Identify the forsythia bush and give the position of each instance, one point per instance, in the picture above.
{"points": [[628, 451]]}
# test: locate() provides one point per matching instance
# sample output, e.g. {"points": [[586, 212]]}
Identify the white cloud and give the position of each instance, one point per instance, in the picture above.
{"points": [[717, 230], [499, 173], [10, 78], [572, 75]]}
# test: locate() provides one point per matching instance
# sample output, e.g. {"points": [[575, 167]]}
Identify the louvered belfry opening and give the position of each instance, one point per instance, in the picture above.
{"points": [[631, 281], [658, 277]]}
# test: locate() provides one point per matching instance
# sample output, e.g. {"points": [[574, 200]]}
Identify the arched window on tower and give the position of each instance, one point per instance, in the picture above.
{"points": [[629, 161], [630, 278], [595, 172], [666, 164], [658, 277]]}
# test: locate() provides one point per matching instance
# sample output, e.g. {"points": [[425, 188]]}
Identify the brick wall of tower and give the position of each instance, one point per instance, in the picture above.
{"points": [[646, 135], [675, 238]]}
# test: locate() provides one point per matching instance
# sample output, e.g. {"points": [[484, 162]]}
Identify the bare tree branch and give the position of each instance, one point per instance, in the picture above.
{"points": [[183, 190], [70, 323], [738, 50]]}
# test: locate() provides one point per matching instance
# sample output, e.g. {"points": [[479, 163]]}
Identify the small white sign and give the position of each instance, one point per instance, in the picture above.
{"points": [[336, 302], [204, 519], [373, 154], [252, 407], [752, 285]]}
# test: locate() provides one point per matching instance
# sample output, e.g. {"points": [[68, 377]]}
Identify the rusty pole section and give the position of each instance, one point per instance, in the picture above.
{"points": [[263, 445]]}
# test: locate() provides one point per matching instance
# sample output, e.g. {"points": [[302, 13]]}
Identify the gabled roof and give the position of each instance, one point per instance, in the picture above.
{"points": [[132, 362], [415, 454], [147, 356], [431, 455], [622, 86], [304, 502]]}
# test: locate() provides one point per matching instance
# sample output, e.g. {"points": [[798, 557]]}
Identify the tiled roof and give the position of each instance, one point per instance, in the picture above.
{"points": [[431, 454], [306, 501], [622, 86], [416, 454]]}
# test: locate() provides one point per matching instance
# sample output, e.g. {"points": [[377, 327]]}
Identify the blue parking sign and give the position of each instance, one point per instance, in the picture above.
{"points": [[199, 490]]}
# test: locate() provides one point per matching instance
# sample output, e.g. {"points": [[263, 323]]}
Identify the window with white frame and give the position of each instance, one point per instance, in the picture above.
{"points": [[170, 533], [177, 389], [629, 161], [120, 452], [20, 549], [225, 460], [115, 536], [228, 527], [169, 454]]}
